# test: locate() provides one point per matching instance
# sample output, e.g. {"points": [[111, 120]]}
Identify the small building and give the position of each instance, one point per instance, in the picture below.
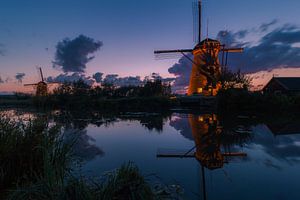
{"points": [[283, 85]]}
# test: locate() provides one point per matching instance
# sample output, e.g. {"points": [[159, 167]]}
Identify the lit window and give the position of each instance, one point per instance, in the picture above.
{"points": [[200, 119], [199, 90]]}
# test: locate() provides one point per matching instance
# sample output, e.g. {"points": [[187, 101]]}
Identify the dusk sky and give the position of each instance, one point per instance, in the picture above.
{"points": [[130, 31]]}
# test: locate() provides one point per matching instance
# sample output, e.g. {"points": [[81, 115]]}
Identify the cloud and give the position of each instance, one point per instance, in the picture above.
{"points": [[265, 26], [82, 148], [73, 55], [1, 80], [123, 81], [182, 71], [156, 76], [113, 79], [98, 77], [62, 78], [19, 77], [278, 48]]}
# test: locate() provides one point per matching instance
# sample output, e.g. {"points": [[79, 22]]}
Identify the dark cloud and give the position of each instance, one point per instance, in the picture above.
{"points": [[19, 77], [242, 33], [277, 48], [133, 80], [73, 55], [231, 39], [123, 81], [62, 78], [182, 71], [113, 79], [156, 76], [1, 80], [265, 26], [83, 148], [98, 77]]}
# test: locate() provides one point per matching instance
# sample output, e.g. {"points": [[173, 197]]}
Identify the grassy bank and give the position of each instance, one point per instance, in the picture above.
{"points": [[37, 163]]}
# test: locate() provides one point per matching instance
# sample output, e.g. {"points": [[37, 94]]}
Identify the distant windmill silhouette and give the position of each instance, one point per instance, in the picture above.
{"points": [[206, 70], [41, 86]]}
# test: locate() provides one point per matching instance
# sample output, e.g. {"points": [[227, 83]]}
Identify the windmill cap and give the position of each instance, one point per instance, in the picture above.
{"points": [[208, 40]]}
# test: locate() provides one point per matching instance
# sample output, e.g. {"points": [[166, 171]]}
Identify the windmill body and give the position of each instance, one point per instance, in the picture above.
{"points": [[206, 69], [41, 89]]}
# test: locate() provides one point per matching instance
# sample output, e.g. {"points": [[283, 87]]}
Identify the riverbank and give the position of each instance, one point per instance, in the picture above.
{"points": [[227, 101]]}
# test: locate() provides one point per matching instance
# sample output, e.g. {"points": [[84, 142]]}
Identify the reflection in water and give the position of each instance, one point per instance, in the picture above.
{"points": [[83, 148], [210, 137], [213, 143], [272, 145]]}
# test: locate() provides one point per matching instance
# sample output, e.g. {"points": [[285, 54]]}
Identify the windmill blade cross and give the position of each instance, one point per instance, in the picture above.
{"points": [[41, 73], [173, 51], [31, 84], [233, 50]]}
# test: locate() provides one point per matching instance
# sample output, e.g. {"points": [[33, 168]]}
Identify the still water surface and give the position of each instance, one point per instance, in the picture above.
{"points": [[236, 158]]}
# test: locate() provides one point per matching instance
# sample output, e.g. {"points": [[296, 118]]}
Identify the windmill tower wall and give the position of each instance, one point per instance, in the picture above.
{"points": [[206, 70], [198, 81]]}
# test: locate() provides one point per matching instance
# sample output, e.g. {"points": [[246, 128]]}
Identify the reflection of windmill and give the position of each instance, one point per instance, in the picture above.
{"points": [[41, 86], [209, 137], [206, 70]]}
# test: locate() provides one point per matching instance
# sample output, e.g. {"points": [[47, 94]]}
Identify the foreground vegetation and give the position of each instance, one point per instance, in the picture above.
{"points": [[37, 163]]}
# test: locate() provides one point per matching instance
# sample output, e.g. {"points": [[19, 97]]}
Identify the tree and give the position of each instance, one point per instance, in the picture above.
{"points": [[237, 79]]}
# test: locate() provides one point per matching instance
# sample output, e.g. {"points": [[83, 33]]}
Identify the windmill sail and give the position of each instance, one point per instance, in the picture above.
{"points": [[206, 69], [41, 73]]}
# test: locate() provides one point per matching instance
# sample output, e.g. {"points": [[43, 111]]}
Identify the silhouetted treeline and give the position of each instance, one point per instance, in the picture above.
{"points": [[241, 100], [152, 95]]}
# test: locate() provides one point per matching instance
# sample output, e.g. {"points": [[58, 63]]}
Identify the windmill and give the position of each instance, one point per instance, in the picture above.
{"points": [[206, 69], [41, 86]]}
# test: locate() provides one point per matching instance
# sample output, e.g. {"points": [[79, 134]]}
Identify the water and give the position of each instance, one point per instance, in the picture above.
{"points": [[267, 166]]}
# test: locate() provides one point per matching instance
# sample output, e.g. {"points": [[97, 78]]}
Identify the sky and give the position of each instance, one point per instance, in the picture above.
{"points": [[129, 30]]}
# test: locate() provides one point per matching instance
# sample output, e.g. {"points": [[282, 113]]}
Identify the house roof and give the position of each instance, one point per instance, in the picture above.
{"points": [[289, 83]]}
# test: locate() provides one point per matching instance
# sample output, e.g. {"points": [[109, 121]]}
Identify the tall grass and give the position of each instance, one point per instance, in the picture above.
{"points": [[36, 163]]}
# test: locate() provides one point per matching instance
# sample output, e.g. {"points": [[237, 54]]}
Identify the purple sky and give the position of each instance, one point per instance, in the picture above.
{"points": [[130, 30]]}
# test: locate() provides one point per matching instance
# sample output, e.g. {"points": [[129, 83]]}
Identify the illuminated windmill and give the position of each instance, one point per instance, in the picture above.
{"points": [[206, 70], [41, 86]]}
